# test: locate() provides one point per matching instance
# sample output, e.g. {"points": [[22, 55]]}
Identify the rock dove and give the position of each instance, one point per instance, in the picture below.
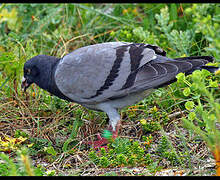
{"points": [[109, 76]]}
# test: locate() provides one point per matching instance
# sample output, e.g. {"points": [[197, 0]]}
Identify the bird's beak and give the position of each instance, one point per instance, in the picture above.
{"points": [[24, 84]]}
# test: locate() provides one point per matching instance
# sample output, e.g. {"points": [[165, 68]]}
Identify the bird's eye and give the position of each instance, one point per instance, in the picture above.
{"points": [[28, 71]]}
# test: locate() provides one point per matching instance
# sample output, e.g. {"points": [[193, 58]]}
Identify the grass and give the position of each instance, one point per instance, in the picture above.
{"points": [[44, 135]]}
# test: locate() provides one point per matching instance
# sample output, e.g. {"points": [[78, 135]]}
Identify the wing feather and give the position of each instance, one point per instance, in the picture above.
{"points": [[95, 73]]}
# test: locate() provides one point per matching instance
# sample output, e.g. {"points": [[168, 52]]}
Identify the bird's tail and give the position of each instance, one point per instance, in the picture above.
{"points": [[203, 60], [186, 65]]}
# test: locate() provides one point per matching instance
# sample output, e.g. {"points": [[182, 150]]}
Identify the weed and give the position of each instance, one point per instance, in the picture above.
{"points": [[23, 166], [203, 119], [120, 153], [165, 151], [158, 118]]}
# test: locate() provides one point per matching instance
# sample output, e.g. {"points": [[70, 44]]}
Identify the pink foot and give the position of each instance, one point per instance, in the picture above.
{"points": [[100, 143]]}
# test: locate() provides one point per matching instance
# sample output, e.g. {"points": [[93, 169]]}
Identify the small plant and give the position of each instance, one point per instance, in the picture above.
{"points": [[147, 140], [203, 119], [158, 119], [8, 144], [166, 151], [122, 152], [21, 167]]}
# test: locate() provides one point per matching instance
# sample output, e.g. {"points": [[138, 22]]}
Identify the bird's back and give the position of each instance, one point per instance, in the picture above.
{"points": [[106, 71]]}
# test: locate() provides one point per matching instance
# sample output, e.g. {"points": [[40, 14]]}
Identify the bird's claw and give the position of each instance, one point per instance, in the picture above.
{"points": [[100, 143]]}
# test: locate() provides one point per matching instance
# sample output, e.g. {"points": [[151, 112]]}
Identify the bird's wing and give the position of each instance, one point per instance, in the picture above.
{"points": [[162, 71], [95, 73]]}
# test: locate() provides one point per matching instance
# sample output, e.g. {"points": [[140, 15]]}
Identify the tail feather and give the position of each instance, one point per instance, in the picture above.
{"points": [[211, 69], [208, 58], [197, 63]]}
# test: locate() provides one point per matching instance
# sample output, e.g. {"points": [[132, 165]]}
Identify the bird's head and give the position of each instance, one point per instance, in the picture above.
{"points": [[31, 72], [38, 70]]}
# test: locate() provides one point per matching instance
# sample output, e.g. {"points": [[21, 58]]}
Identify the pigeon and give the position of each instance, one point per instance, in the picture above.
{"points": [[109, 76]]}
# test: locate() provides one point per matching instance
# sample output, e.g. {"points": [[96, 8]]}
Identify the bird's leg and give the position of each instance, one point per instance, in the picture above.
{"points": [[115, 132], [103, 141], [114, 126]]}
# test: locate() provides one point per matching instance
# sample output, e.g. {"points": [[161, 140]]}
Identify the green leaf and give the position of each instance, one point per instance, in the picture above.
{"points": [[205, 73], [51, 150], [197, 76], [66, 143], [192, 115], [189, 105], [180, 77], [173, 13], [2, 85], [139, 32], [186, 91], [213, 83]]}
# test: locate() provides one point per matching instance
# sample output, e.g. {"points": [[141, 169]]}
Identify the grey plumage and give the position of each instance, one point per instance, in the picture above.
{"points": [[109, 76]]}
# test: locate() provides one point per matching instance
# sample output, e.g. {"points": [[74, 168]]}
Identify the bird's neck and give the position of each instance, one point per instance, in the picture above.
{"points": [[52, 87]]}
